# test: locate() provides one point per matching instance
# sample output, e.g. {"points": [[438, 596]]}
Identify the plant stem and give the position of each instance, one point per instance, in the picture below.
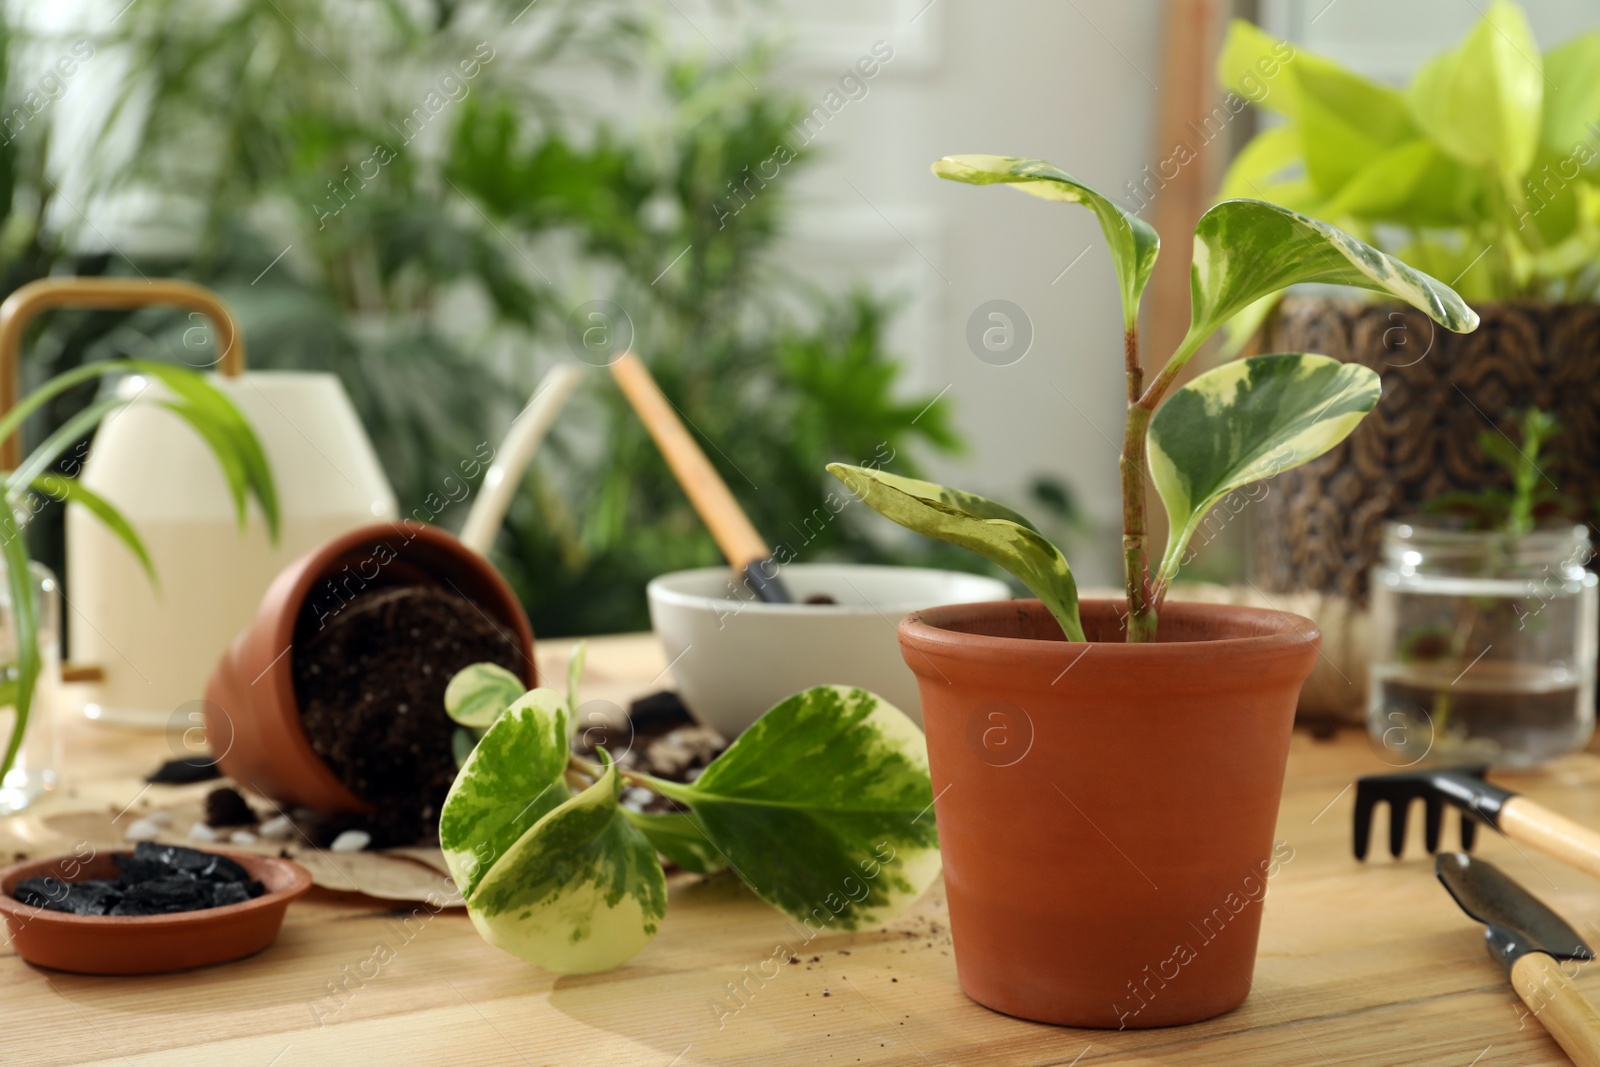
{"points": [[1141, 618], [1143, 597], [1130, 355]]}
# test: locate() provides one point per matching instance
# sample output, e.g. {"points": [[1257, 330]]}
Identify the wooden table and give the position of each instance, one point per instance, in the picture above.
{"points": [[1359, 964]]}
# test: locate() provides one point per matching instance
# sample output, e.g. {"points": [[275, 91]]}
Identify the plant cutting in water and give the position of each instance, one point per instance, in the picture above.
{"points": [[1532, 496], [1229, 427], [1482, 170], [1502, 516], [818, 807], [207, 411]]}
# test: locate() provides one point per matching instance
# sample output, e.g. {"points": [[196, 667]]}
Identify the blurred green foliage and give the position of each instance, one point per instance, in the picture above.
{"points": [[442, 196]]}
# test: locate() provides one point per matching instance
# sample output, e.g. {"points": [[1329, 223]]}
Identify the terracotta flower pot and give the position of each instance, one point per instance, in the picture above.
{"points": [[1106, 810], [252, 717]]}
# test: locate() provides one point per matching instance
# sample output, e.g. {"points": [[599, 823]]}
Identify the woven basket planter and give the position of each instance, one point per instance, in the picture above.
{"points": [[1319, 526]]}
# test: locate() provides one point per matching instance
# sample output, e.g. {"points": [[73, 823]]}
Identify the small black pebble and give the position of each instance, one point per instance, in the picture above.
{"points": [[185, 771]]}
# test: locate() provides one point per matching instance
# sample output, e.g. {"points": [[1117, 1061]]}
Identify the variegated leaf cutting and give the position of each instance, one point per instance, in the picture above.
{"points": [[581, 891], [1132, 241], [1247, 249], [560, 880], [514, 776], [824, 807], [479, 693], [1247, 420], [992, 530]]}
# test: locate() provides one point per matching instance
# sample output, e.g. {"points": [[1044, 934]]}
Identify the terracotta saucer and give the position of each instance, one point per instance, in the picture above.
{"points": [[146, 944]]}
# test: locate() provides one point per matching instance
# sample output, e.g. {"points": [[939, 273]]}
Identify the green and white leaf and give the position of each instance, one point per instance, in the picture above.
{"points": [[1247, 420], [824, 807], [71, 491], [1133, 243], [679, 837], [575, 676], [512, 779], [580, 891], [1483, 100], [992, 530], [480, 692], [1248, 249], [462, 742]]}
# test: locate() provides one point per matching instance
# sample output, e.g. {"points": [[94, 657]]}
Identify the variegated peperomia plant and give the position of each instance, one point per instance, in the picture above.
{"points": [[818, 807], [1228, 427]]}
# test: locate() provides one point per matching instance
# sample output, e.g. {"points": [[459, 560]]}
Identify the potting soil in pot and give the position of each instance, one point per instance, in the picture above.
{"points": [[370, 684]]}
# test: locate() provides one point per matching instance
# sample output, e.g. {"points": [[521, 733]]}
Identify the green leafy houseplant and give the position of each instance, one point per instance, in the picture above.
{"points": [[34, 481], [1485, 169], [817, 807], [1226, 428], [519, 201]]}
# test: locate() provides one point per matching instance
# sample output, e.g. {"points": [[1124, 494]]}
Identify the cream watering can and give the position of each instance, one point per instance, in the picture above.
{"points": [[146, 653]]}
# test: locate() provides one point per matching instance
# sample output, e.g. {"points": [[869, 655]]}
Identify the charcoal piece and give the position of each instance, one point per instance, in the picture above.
{"points": [[76, 898], [226, 807], [162, 896], [177, 859], [48, 892], [141, 866], [227, 893], [156, 880], [185, 771]]}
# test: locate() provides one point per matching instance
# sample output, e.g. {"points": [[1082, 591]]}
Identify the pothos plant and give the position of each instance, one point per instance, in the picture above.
{"points": [[1225, 429], [818, 807], [188, 395]]}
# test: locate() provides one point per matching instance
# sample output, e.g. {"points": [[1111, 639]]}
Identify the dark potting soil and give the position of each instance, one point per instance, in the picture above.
{"points": [[155, 880], [370, 685], [185, 771], [660, 739], [225, 806]]}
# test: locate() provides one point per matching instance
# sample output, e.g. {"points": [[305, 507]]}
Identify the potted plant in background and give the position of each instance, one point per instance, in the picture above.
{"points": [[30, 616], [1108, 774], [1486, 171]]}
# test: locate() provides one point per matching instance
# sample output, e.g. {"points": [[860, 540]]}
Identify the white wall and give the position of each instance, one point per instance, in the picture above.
{"points": [[1071, 82], [1388, 40]]}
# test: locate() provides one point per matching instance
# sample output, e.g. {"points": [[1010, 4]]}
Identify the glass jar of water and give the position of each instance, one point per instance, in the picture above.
{"points": [[1483, 644]]}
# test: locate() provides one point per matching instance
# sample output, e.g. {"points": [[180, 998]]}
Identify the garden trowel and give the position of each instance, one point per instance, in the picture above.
{"points": [[1529, 941]]}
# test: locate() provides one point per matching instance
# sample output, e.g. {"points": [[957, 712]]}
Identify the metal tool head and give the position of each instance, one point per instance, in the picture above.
{"points": [[1461, 787], [1518, 922]]}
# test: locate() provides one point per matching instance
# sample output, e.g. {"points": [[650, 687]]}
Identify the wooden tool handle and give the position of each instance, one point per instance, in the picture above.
{"points": [[1532, 824], [1557, 1003], [706, 490]]}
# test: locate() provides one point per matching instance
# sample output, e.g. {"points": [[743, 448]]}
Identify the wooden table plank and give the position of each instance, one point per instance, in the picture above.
{"points": [[1359, 964]]}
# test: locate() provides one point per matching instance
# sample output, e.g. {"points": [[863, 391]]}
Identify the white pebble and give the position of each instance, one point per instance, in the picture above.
{"points": [[278, 828], [160, 818], [141, 830], [201, 832], [351, 841], [242, 837]]}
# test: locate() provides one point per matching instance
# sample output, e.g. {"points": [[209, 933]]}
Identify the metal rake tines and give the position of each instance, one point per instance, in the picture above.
{"points": [[1462, 787]]}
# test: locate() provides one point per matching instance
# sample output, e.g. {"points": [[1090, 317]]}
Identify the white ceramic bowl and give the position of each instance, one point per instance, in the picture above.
{"points": [[734, 657]]}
